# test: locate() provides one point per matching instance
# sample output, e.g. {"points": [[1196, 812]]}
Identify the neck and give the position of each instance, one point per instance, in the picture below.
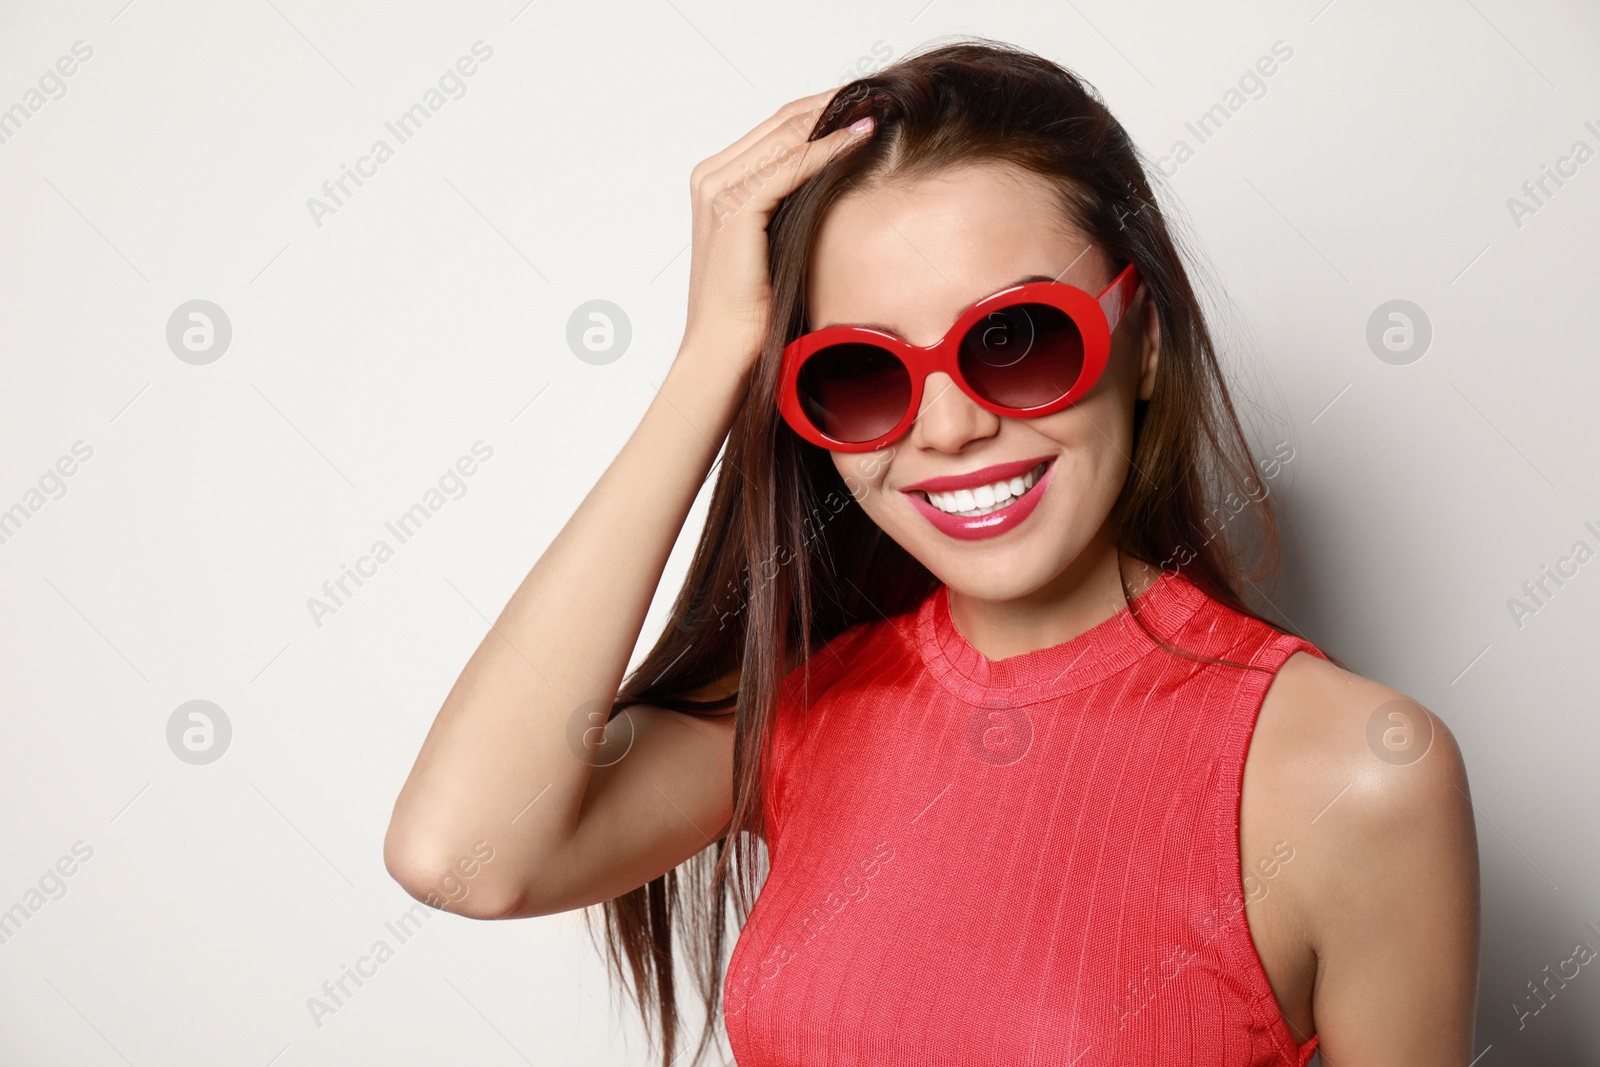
{"points": [[1082, 596]]}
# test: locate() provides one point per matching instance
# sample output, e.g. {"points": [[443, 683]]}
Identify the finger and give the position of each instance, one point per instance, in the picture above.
{"points": [[806, 108], [757, 181], [785, 132], [788, 115]]}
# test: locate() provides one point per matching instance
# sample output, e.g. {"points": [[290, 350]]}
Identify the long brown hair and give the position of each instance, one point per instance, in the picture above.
{"points": [[788, 559]]}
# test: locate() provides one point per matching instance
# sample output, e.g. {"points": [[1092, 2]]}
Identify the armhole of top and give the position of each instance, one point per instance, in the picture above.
{"points": [[1241, 947], [788, 727], [773, 775]]}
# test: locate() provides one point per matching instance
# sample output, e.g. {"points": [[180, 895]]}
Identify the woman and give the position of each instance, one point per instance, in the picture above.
{"points": [[961, 643]]}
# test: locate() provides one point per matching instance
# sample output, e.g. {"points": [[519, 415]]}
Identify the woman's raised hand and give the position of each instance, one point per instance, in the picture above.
{"points": [[734, 193]]}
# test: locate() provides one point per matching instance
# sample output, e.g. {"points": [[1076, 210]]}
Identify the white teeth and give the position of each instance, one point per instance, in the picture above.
{"points": [[986, 498]]}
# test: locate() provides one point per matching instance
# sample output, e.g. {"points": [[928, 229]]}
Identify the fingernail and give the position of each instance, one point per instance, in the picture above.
{"points": [[861, 125]]}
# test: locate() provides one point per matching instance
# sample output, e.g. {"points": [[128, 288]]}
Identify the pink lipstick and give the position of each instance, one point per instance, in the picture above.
{"points": [[958, 489]]}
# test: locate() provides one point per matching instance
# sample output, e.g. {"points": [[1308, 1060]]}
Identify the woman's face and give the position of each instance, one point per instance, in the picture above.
{"points": [[911, 259]]}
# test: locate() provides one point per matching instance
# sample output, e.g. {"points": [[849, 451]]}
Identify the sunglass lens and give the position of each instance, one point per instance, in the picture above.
{"points": [[1023, 356], [854, 392]]}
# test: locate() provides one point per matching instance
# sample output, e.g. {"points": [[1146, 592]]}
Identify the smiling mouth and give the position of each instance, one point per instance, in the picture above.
{"points": [[981, 500]]}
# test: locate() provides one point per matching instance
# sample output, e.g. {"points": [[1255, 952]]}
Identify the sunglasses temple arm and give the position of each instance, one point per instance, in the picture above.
{"points": [[1119, 294]]}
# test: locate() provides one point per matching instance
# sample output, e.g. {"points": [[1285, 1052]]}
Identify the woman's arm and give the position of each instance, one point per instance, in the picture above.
{"points": [[1383, 887], [501, 740], [497, 770]]}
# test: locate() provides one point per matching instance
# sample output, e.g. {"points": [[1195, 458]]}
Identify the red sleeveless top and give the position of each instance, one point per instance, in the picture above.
{"points": [[1032, 860]]}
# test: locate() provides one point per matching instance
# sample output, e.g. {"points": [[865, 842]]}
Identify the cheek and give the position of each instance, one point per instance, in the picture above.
{"points": [[863, 473], [1096, 440], [1104, 426]]}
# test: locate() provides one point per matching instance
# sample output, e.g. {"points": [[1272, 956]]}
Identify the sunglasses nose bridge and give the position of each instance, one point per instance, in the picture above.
{"points": [[935, 369], [947, 414]]}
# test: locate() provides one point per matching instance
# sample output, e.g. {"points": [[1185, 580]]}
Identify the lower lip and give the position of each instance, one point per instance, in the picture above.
{"points": [[995, 523]]}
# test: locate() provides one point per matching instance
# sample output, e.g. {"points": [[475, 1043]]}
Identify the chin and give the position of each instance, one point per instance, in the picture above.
{"points": [[998, 572]]}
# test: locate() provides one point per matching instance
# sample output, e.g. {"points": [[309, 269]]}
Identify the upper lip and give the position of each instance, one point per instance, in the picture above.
{"points": [[948, 483]]}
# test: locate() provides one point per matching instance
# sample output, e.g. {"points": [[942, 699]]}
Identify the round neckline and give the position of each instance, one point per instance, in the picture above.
{"points": [[1090, 657]]}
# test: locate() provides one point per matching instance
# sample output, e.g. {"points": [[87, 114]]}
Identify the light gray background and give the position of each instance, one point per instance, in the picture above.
{"points": [[430, 312]]}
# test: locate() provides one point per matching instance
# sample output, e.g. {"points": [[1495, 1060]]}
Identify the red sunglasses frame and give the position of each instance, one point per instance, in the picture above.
{"points": [[1095, 316]]}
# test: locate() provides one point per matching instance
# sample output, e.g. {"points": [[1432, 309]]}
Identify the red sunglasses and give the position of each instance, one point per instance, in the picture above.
{"points": [[1026, 351]]}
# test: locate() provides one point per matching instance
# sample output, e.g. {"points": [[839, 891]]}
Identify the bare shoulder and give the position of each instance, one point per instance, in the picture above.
{"points": [[1370, 788], [1328, 739]]}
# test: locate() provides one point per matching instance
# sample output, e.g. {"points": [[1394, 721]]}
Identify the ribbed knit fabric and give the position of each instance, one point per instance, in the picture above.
{"points": [[1033, 860]]}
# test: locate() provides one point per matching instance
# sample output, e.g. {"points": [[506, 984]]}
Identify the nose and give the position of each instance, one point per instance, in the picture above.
{"points": [[948, 419]]}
